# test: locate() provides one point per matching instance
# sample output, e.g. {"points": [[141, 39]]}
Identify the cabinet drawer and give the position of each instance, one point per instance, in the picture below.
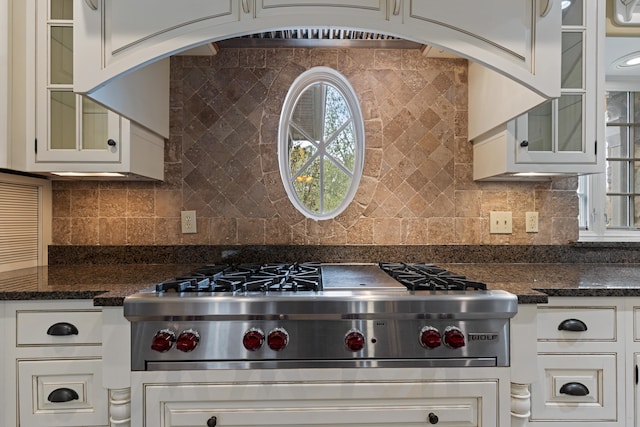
{"points": [[562, 378], [317, 404], [63, 392], [600, 323], [58, 328]]}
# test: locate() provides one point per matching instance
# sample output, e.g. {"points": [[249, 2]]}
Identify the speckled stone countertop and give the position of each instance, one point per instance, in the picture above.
{"points": [[108, 285]]}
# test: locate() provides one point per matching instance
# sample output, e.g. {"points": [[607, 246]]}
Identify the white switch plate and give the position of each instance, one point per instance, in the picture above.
{"points": [[500, 222], [188, 222], [531, 224]]}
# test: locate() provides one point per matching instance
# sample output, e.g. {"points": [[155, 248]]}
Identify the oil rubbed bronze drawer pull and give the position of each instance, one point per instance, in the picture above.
{"points": [[62, 329], [572, 325], [64, 394], [574, 389]]}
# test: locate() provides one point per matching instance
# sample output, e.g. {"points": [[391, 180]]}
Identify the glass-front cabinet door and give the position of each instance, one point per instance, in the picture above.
{"points": [[69, 127], [563, 130]]}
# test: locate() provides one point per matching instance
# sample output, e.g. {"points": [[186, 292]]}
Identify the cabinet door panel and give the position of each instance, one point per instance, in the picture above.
{"points": [[125, 30], [551, 396], [461, 404]]}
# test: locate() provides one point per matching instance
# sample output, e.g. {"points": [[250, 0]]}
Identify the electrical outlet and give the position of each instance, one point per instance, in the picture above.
{"points": [[188, 221], [500, 223], [531, 224]]}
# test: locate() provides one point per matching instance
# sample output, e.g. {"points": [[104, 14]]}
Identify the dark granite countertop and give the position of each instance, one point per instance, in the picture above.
{"points": [[108, 285]]}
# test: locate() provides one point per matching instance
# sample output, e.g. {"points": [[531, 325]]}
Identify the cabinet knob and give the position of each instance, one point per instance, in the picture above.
{"points": [[572, 325], [212, 422], [433, 418], [574, 389], [62, 329], [524, 143], [62, 395], [111, 142]]}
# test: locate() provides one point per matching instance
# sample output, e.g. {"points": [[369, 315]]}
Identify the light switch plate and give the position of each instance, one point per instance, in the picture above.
{"points": [[188, 222], [500, 222]]}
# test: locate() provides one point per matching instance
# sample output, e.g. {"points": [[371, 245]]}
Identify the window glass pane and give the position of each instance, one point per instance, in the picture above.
{"points": [[61, 63], [617, 210], [337, 112], [336, 184], [636, 107], [63, 120], [635, 211], [540, 129], [62, 9], [343, 148], [617, 146], [94, 125], [307, 116], [635, 177], [617, 107], [571, 60], [307, 186], [572, 12], [570, 123], [617, 176]]}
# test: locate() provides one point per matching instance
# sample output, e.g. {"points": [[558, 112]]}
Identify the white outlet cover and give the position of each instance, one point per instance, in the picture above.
{"points": [[188, 220]]}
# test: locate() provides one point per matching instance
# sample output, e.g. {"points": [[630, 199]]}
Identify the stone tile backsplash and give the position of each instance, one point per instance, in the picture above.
{"points": [[221, 161]]}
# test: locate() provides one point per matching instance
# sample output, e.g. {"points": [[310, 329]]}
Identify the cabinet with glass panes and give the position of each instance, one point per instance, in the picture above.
{"points": [[73, 135], [561, 136]]}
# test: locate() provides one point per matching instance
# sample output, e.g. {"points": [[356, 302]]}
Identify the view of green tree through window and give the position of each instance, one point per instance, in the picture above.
{"points": [[323, 160]]}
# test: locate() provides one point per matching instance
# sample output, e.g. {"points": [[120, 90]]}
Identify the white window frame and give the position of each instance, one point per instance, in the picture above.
{"points": [[596, 191], [298, 87]]}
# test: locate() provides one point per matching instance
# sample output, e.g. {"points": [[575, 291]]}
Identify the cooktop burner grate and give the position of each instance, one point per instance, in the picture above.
{"points": [[277, 277], [428, 277]]}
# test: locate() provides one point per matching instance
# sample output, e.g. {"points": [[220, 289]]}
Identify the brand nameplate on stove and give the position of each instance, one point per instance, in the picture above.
{"points": [[483, 336]]}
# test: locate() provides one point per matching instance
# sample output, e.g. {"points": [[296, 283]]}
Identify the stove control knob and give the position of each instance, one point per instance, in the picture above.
{"points": [[253, 339], [354, 340], [277, 339], [188, 340], [453, 337], [163, 340], [430, 337]]}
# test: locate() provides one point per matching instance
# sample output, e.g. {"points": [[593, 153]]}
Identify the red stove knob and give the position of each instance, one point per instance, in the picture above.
{"points": [[354, 340], [430, 337], [253, 339], [187, 340], [163, 340], [277, 339], [453, 337]]}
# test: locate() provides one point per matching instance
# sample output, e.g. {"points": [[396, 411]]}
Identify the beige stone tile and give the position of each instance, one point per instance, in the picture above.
{"points": [[140, 231], [251, 231], [415, 231], [168, 203], [442, 231], [140, 203], [468, 231], [84, 231], [61, 203], [61, 231], [386, 231], [168, 231], [468, 203], [84, 203], [113, 231], [113, 203]]}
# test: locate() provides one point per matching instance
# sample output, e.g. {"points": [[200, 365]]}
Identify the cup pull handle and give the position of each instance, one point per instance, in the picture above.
{"points": [[62, 329], [574, 389], [572, 325]]}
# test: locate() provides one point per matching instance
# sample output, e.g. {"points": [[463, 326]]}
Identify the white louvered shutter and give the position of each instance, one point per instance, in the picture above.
{"points": [[19, 230]]}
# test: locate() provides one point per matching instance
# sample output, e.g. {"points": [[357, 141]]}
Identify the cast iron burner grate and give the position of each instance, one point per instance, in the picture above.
{"points": [[275, 277], [428, 277]]}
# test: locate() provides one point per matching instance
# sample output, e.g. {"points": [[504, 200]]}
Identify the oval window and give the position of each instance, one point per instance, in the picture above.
{"points": [[321, 143]]}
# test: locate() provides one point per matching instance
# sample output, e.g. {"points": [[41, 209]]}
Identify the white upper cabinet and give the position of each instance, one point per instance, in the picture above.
{"points": [[114, 37], [55, 130], [559, 136]]}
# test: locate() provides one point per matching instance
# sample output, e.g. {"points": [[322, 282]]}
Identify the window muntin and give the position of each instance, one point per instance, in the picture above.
{"points": [[321, 143]]}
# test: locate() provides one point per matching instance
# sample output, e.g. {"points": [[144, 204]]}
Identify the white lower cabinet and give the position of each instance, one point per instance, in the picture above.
{"points": [[581, 363], [53, 367], [320, 403]]}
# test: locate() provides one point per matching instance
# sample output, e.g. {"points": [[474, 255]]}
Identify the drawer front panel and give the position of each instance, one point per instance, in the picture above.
{"points": [[58, 328], [62, 393], [575, 387], [600, 323]]}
